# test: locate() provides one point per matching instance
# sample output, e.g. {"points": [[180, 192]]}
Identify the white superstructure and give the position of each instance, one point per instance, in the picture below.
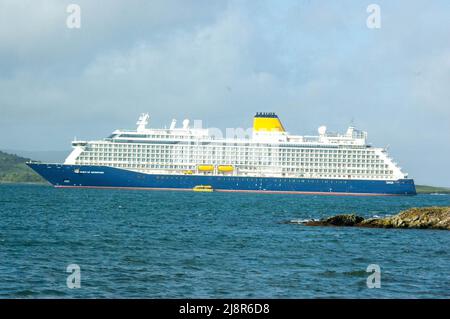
{"points": [[265, 153]]}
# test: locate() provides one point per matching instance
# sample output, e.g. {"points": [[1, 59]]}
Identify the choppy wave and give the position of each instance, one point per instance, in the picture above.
{"points": [[174, 245]]}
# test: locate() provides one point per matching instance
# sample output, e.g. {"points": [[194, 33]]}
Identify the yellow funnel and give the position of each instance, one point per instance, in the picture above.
{"points": [[267, 122]]}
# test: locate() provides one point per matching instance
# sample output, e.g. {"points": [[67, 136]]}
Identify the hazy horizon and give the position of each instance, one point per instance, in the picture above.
{"points": [[312, 62]]}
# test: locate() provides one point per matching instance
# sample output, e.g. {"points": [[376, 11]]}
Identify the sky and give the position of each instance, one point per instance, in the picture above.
{"points": [[312, 62]]}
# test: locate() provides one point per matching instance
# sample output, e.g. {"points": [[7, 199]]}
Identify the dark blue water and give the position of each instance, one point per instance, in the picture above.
{"points": [[143, 244]]}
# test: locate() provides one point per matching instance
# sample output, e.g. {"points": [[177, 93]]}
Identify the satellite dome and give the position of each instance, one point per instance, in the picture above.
{"points": [[322, 130]]}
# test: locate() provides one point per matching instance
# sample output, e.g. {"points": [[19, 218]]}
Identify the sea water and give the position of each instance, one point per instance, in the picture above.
{"points": [[161, 244]]}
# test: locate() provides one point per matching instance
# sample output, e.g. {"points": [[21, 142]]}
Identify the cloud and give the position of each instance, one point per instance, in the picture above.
{"points": [[313, 62]]}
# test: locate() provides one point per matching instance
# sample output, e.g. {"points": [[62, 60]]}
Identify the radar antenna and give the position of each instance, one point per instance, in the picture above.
{"points": [[352, 122], [142, 122]]}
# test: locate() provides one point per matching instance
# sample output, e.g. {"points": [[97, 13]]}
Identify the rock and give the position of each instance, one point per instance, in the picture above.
{"points": [[420, 218], [338, 220], [424, 218], [376, 223]]}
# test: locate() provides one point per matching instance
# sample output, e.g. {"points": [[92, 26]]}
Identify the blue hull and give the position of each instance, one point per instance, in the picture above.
{"points": [[109, 177]]}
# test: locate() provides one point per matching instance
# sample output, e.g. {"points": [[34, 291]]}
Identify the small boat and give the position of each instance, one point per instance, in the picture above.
{"points": [[203, 188]]}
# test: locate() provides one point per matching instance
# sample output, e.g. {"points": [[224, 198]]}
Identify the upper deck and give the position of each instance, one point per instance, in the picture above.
{"points": [[273, 133]]}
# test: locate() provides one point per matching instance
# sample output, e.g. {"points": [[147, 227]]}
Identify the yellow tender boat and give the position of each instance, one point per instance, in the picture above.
{"points": [[203, 188], [225, 168], [206, 168]]}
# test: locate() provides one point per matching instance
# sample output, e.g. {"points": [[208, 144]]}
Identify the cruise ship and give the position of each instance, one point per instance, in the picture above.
{"points": [[267, 160]]}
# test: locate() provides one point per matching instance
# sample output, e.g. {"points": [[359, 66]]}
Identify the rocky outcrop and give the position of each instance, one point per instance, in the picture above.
{"points": [[426, 218], [338, 220], [421, 218]]}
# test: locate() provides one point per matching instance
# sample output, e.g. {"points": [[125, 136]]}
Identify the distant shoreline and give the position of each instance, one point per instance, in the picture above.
{"points": [[425, 189], [25, 183]]}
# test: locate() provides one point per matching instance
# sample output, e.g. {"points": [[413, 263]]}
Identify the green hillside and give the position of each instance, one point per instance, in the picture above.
{"points": [[424, 189], [14, 170]]}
